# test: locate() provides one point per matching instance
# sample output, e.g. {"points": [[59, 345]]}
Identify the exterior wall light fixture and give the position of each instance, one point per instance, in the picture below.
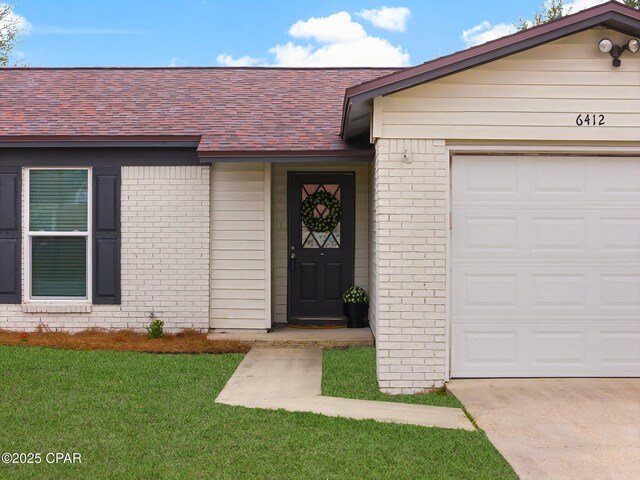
{"points": [[607, 46]]}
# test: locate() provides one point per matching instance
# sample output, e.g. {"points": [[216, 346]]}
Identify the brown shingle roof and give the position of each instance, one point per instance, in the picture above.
{"points": [[234, 110]]}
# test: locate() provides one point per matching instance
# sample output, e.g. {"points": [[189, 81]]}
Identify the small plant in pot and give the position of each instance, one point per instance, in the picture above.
{"points": [[356, 307]]}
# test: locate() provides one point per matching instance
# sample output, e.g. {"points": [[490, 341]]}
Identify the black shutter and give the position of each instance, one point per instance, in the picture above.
{"points": [[10, 233], [106, 235]]}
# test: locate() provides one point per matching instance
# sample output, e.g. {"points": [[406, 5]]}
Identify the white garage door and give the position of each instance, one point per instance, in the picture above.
{"points": [[545, 266]]}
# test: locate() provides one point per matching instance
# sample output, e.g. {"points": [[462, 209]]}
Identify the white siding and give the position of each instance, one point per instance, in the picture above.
{"points": [[280, 241], [240, 274], [533, 95]]}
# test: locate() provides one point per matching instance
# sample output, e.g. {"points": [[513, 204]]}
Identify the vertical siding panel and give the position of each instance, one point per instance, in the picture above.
{"points": [[239, 275]]}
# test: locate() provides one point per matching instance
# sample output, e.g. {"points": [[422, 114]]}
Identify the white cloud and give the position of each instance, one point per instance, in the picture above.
{"points": [[333, 41], [13, 18], [365, 52], [228, 61], [335, 28], [485, 32], [389, 18]]}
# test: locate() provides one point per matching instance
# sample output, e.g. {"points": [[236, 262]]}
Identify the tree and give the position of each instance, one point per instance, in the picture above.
{"points": [[10, 29], [555, 9], [552, 11]]}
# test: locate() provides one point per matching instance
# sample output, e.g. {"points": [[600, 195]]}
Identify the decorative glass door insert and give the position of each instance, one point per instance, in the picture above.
{"points": [[320, 213]]}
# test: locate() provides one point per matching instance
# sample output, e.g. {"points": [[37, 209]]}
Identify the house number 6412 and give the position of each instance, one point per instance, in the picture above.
{"points": [[590, 119]]}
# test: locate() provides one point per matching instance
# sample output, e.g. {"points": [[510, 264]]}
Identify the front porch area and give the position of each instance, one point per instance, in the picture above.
{"points": [[268, 269], [283, 336]]}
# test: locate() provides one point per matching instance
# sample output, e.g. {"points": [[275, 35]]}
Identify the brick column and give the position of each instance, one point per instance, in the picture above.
{"points": [[409, 215]]}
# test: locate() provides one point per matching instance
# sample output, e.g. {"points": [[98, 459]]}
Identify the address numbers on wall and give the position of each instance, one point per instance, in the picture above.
{"points": [[590, 120]]}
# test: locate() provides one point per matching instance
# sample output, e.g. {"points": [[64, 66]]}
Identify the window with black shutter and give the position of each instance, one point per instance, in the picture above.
{"points": [[72, 234]]}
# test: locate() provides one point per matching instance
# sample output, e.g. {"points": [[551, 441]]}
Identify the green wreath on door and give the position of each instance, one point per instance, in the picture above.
{"points": [[325, 223]]}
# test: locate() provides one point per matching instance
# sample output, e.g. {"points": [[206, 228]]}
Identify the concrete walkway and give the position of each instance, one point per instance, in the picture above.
{"points": [[291, 379], [554, 428]]}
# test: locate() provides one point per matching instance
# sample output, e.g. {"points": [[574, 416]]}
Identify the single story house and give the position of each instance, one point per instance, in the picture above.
{"points": [[488, 201]]}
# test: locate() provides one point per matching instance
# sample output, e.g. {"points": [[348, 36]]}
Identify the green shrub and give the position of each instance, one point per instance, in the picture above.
{"points": [[156, 328], [355, 295]]}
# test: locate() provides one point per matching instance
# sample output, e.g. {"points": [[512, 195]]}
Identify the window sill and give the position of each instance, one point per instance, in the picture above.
{"points": [[37, 307]]}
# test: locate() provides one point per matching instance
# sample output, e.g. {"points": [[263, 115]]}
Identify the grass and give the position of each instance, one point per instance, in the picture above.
{"points": [[351, 373], [138, 415]]}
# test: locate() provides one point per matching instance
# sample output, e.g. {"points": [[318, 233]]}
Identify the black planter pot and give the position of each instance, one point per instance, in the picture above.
{"points": [[356, 314]]}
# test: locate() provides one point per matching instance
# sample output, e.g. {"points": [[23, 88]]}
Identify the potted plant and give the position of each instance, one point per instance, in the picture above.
{"points": [[356, 307]]}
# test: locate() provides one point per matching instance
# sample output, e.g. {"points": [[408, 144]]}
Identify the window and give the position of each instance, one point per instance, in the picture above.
{"points": [[58, 220], [321, 202]]}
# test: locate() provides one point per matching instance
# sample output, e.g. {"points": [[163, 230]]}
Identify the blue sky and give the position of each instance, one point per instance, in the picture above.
{"points": [[244, 32]]}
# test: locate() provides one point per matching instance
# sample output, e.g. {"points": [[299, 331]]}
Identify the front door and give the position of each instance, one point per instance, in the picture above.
{"points": [[321, 253]]}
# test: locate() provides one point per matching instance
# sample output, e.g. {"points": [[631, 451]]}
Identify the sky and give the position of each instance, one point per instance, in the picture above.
{"points": [[283, 33]]}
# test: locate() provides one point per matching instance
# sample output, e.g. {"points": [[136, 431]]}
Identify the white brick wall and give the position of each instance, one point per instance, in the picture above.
{"points": [[165, 257], [409, 214]]}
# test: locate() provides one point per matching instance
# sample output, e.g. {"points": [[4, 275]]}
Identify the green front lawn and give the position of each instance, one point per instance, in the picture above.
{"points": [[137, 415], [351, 373]]}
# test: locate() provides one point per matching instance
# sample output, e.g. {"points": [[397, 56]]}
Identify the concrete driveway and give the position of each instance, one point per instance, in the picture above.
{"points": [[560, 429]]}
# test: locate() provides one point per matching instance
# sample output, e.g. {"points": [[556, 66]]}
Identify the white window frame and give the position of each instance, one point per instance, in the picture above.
{"points": [[28, 235]]}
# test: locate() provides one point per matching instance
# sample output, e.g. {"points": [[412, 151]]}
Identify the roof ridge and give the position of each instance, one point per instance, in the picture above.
{"points": [[222, 67]]}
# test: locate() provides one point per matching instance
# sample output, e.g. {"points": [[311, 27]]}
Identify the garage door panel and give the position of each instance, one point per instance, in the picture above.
{"points": [[555, 233], [564, 177], [491, 345], [491, 234], [545, 234], [490, 179], [558, 348], [619, 347], [559, 291], [586, 291], [546, 179], [620, 291], [545, 266], [617, 180], [534, 349], [485, 290], [620, 234]]}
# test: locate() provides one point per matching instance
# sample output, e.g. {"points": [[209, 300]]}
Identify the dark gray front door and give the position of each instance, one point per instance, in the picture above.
{"points": [[321, 249]]}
